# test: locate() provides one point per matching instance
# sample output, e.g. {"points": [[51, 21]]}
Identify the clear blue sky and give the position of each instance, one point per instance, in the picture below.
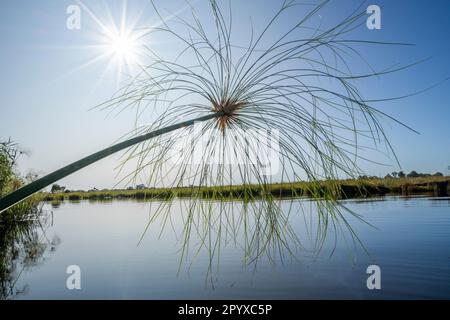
{"points": [[46, 97]]}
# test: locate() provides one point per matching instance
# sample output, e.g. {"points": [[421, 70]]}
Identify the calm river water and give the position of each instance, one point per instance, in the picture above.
{"points": [[237, 252]]}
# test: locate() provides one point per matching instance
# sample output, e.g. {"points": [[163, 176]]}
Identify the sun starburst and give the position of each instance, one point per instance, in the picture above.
{"points": [[124, 47], [119, 42]]}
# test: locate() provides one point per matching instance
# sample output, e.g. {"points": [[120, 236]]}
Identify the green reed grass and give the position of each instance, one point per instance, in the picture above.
{"points": [[299, 82]]}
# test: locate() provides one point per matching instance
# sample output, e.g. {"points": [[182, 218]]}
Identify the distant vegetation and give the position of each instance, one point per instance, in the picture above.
{"points": [[364, 186], [413, 174], [401, 175], [57, 188], [399, 183]]}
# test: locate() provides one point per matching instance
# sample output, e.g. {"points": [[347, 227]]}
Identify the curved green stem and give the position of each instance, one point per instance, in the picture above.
{"points": [[35, 186]]}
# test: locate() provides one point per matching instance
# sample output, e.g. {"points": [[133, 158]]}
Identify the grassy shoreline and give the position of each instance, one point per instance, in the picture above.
{"points": [[341, 189]]}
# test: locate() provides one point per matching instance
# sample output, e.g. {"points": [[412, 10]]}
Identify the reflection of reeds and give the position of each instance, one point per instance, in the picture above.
{"points": [[263, 231], [257, 228], [22, 245]]}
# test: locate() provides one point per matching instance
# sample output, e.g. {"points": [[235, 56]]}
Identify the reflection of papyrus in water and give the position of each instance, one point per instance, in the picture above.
{"points": [[261, 229]]}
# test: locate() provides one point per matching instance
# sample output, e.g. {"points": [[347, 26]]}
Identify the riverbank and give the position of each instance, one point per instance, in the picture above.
{"points": [[341, 189]]}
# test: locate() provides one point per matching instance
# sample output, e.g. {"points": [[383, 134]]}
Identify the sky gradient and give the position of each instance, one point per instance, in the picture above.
{"points": [[47, 98]]}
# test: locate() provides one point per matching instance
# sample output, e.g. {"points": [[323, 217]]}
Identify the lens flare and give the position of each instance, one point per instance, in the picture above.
{"points": [[123, 46]]}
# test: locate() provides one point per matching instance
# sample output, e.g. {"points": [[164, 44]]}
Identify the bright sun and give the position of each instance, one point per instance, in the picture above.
{"points": [[120, 44], [123, 46]]}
